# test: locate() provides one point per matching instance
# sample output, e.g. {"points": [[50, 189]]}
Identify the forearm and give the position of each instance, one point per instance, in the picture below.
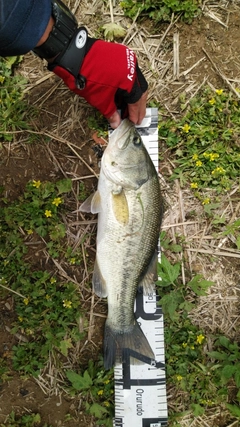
{"points": [[46, 32], [105, 74]]}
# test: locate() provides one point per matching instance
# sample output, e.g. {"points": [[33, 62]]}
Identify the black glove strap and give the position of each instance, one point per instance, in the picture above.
{"points": [[61, 34], [66, 43], [72, 57]]}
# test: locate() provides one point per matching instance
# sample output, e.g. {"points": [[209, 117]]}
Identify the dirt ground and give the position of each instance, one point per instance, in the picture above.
{"points": [[209, 52]]}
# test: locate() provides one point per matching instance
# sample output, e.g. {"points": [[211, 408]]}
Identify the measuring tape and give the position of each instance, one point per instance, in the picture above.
{"points": [[140, 390]]}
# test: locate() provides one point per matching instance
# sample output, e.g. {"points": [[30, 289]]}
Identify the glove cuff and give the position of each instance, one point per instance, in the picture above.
{"points": [[140, 86], [62, 32]]}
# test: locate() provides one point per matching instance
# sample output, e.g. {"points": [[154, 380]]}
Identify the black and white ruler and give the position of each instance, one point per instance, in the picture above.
{"points": [[140, 390]]}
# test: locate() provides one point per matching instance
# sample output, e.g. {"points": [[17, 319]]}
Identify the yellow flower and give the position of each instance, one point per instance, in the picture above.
{"points": [[218, 170], [200, 339], [72, 261], [213, 156], [184, 344], [48, 213], [36, 183], [194, 185], [206, 155], [199, 163], [26, 301], [195, 157], [219, 91], [107, 382], [47, 297], [20, 318], [29, 231], [212, 101], [179, 377], [2, 79], [186, 128], [106, 403], [52, 280], [206, 201], [57, 201], [100, 392], [67, 304], [192, 347]]}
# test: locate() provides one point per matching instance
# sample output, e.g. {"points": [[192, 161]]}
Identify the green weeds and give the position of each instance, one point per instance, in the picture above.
{"points": [[47, 308], [28, 420], [13, 108], [205, 142], [162, 10], [96, 385], [207, 378]]}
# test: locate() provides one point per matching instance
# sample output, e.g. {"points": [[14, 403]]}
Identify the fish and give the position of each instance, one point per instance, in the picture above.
{"points": [[129, 206]]}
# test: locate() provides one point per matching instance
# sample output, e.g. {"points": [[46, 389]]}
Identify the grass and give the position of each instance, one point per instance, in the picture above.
{"points": [[47, 308], [205, 143], [28, 420], [162, 10], [206, 378], [14, 110]]}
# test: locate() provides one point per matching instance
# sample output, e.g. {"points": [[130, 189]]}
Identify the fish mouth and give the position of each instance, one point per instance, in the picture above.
{"points": [[120, 132]]}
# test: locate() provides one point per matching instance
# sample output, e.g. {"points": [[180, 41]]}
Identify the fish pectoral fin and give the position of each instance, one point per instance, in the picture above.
{"points": [[92, 204], [147, 283], [120, 207], [98, 282]]}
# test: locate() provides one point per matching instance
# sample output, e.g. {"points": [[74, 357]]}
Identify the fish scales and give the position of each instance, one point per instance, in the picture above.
{"points": [[129, 206], [126, 265]]}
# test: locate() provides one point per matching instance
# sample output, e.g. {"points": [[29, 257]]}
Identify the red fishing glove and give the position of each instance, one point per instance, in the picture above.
{"points": [[112, 77]]}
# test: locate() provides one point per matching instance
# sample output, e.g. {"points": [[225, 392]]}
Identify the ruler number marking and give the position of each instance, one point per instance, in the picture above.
{"points": [[140, 309]]}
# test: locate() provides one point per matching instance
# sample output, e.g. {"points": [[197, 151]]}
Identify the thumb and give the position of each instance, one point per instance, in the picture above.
{"points": [[114, 120]]}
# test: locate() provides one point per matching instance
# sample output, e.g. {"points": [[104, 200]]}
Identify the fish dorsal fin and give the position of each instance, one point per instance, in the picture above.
{"points": [[147, 283], [92, 204], [98, 282], [120, 207]]}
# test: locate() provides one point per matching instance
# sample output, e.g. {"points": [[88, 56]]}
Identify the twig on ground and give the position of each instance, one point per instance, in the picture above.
{"points": [[223, 77]]}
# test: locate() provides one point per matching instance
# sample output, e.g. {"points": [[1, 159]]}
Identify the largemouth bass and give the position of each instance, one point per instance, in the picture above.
{"points": [[129, 207]]}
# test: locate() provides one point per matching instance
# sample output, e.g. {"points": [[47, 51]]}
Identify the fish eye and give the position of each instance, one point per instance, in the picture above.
{"points": [[137, 140]]}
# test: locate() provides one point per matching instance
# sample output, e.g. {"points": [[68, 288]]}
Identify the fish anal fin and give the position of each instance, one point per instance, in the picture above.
{"points": [[98, 282], [92, 204], [120, 207], [147, 283]]}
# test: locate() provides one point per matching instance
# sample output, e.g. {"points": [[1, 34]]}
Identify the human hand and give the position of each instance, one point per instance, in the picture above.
{"points": [[113, 81], [136, 112]]}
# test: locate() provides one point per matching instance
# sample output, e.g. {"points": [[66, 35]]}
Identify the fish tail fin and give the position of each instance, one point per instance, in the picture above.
{"points": [[132, 345]]}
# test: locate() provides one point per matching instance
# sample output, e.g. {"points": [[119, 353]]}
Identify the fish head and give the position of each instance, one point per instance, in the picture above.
{"points": [[126, 161]]}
